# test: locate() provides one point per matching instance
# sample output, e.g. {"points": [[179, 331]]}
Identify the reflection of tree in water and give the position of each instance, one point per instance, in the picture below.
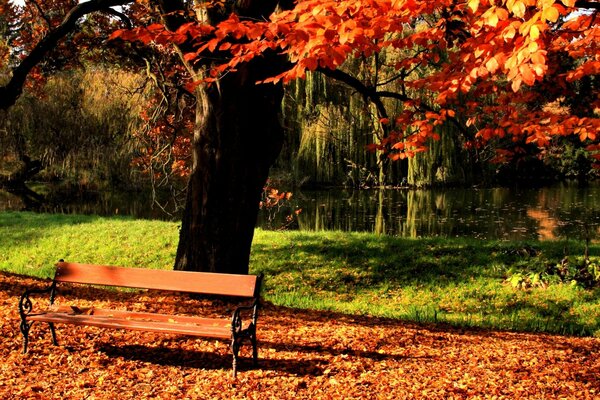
{"points": [[578, 222], [547, 225], [73, 200], [503, 213], [575, 210], [489, 213]]}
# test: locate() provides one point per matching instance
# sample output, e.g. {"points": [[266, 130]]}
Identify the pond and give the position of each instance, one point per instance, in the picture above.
{"points": [[559, 212]]}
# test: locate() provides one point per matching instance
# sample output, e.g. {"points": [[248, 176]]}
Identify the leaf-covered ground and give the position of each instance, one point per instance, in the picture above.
{"points": [[303, 354]]}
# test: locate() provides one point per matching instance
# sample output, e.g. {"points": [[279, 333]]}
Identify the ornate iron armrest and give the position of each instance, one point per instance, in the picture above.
{"points": [[25, 303], [239, 334], [25, 308], [236, 319]]}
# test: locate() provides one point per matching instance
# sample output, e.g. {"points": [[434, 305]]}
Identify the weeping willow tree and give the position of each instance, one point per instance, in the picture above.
{"points": [[446, 161], [329, 129], [331, 124], [77, 126]]}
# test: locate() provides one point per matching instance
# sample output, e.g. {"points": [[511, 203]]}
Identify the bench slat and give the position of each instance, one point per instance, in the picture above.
{"points": [[216, 328], [143, 316], [182, 281]]}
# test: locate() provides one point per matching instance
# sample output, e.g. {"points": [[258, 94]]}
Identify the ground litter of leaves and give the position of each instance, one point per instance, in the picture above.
{"points": [[303, 355]]}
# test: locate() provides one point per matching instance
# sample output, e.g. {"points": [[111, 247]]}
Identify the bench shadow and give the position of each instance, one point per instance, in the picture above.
{"points": [[330, 351], [178, 357], [174, 357]]}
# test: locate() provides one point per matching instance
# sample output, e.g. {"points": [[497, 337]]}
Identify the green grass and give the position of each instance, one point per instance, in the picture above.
{"points": [[31, 243], [456, 281]]}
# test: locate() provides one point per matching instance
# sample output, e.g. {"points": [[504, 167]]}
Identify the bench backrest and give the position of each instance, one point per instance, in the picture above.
{"points": [[182, 281]]}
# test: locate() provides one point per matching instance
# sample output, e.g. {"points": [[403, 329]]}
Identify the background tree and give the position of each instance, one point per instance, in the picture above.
{"points": [[38, 41]]}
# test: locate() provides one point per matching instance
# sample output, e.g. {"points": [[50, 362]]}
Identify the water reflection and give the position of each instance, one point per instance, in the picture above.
{"points": [[103, 203], [499, 213], [563, 211]]}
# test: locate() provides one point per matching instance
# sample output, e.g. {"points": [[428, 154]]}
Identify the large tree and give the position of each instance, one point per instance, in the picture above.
{"points": [[504, 70], [237, 137]]}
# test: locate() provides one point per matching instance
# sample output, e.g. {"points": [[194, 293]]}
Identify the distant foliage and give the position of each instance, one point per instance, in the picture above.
{"points": [[79, 124]]}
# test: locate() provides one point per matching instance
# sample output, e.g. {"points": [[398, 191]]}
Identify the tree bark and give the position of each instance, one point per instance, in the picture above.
{"points": [[236, 139]]}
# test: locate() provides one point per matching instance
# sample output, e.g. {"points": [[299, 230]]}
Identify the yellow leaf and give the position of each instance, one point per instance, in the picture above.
{"points": [[544, 3], [489, 16], [532, 47], [527, 74], [501, 13], [509, 33], [473, 5], [539, 69], [550, 14], [492, 65], [473, 72], [492, 20], [526, 26], [518, 9], [510, 64], [569, 3], [538, 57], [534, 32], [516, 84]]}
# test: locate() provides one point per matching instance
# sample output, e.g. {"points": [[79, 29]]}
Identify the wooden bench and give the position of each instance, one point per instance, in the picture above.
{"points": [[234, 329]]}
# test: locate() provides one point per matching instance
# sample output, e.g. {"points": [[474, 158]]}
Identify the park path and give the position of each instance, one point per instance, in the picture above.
{"points": [[303, 355]]}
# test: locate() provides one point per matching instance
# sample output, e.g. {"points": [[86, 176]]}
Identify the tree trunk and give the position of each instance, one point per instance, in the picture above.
{"points": [[237, 138], [15, 182]]}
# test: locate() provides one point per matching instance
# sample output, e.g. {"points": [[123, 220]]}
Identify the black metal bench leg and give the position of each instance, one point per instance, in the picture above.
{"points": [[53, 332], [254, 351], [24, 327], [235, 347]]}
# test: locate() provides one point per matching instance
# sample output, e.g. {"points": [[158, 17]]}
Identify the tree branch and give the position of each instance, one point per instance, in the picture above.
{"points": [[13, 89], [124, 18], [172, 13], [374, 96], [339, 75], [425, 107], [369, 93], [588, 4]]}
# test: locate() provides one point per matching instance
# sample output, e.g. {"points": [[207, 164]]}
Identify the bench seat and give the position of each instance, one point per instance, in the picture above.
{"points": [[216, 328]]}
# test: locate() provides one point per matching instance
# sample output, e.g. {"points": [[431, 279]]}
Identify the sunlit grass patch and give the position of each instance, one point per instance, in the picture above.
{"points": [[457, 281]]}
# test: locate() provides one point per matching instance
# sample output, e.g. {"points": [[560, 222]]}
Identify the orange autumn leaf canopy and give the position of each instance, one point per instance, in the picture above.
{"points": [[495, 68]]}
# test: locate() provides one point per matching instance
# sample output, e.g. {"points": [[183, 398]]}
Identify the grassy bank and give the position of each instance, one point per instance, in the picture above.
{"points": [[491, 284]]}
